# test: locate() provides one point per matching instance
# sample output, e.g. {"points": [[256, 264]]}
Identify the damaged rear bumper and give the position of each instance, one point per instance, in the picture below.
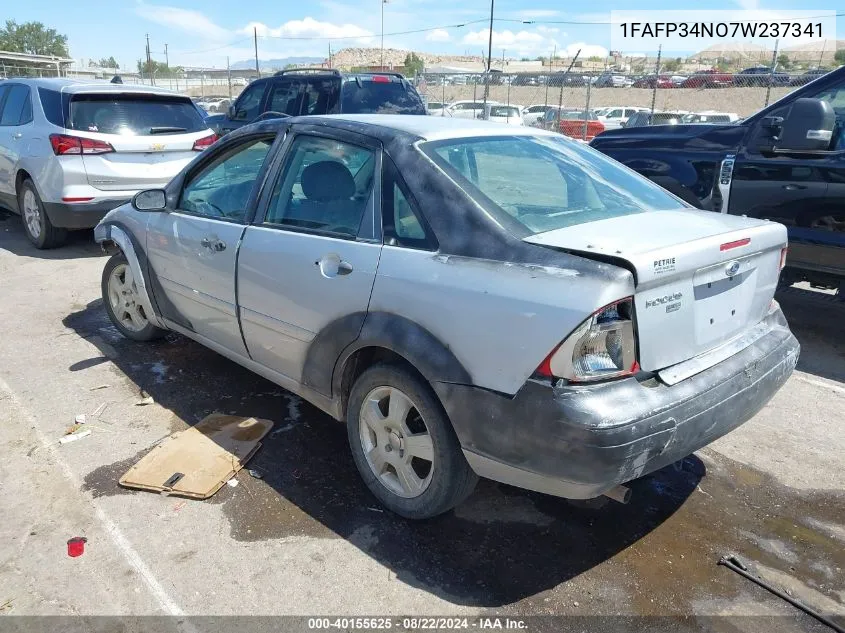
{"points": [[580, 441]]}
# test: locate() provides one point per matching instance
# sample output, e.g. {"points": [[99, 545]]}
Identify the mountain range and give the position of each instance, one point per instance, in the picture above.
{"points": [[275, 64]]}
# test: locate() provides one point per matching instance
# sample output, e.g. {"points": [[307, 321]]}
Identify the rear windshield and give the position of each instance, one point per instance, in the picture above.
{"points": [[365, 96], [133, 115], [544, 182]]}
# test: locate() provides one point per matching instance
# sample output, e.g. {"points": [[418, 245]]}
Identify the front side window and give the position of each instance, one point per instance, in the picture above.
{"points": [[221, 189], [325, 186], [17, 109], [248, 105], [546, 183]]}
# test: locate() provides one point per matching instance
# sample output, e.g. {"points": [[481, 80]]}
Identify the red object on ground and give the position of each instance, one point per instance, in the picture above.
{"points": [[76, 546]]}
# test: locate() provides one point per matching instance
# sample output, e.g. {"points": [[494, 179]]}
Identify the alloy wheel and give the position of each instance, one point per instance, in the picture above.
{"points": [[125, 300], [31, 214], [396, 442]]}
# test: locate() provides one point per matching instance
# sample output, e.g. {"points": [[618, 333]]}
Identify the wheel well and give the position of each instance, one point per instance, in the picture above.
{"points": [[363, 359], [19, 178]]}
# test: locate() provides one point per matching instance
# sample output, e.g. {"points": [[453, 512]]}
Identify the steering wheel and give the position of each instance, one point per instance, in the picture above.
{"points": [[271, 114]]}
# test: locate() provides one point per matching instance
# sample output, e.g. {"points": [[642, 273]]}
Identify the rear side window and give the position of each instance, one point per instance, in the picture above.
{"points": [[296, 96], [16, 105], [365, 96], [51, 103], [133, 115]]}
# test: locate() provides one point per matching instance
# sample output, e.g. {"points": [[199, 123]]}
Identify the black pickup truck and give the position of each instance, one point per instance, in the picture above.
{"points": [[785, 163]]}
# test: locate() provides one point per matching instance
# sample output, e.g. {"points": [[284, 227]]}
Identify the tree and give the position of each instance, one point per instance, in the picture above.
{"points": [[414, 65], [32, 38], [784, 62], [108, 62], [839, 56], [673, 65], [159, 69], [594, 58]]}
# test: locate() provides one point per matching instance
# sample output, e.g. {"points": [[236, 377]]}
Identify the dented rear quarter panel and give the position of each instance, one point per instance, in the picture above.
{"points": [[499, 318]]}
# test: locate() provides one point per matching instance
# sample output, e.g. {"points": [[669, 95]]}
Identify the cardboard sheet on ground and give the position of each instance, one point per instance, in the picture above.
{"points": [[197, 462]]}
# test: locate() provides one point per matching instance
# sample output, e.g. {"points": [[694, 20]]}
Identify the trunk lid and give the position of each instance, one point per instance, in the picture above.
{"points": [[702, 278], [139, 162]]}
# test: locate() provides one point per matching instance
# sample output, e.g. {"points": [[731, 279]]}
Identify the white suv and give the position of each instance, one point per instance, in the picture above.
{"points": [[71, 151]]}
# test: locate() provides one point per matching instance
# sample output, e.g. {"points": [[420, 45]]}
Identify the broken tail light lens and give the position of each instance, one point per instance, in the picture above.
{"points": [[783, 257], [601, 347]]}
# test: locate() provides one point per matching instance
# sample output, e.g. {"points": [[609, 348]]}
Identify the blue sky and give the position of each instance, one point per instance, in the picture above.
{"points": [[203, 33]]}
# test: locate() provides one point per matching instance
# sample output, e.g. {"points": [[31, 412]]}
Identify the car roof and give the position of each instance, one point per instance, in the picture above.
{"points": [[74, 86], [430, 128]]}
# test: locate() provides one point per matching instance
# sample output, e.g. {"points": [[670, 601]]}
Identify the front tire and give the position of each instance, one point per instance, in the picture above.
{"points": [[403, 444], [37, 226], [122, 301]]}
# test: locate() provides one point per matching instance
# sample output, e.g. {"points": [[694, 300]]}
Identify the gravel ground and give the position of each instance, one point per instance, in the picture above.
{"points": [[309, 539]]}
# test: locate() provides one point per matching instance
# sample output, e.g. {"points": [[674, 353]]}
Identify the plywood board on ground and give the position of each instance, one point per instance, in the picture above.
{"points": [[197, 462]]}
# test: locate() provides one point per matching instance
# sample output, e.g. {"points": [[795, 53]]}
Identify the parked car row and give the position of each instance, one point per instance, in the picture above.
{"points": [[71, 150], [710, 78]]}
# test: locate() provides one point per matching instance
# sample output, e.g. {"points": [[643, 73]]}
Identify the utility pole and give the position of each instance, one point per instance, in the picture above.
{"points": [[229, 77], [489, 56], [166, 57], [503, 60], [383, 2], [150, 63], [255, 38], [548, 79], [330, 55]]}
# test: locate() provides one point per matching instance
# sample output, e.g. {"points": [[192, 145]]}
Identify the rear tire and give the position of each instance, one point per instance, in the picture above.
{"points": [[37, 226], [403, 444], [120, 296]]}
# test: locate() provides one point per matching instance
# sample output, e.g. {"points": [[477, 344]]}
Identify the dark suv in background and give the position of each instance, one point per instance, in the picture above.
{"points": [[303, 91]]}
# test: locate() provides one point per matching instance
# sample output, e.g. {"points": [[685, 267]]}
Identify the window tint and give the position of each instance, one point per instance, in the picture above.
{"points": [[133, 115], [535, 109], [303, 96], [504, 111], [365, 96], [16, 100], [546, 183], [51, 103], [221, 189], [325, 185], [248, 105]]}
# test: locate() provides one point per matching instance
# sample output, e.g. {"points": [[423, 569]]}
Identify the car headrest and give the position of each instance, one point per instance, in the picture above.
{"points": [[327, 180]]}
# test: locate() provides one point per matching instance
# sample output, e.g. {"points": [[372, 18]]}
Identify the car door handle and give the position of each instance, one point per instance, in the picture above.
{"points": [[333, 266], [794, 187], [214, 245]]}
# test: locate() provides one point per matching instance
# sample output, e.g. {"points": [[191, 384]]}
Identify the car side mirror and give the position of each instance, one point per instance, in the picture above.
{"points": [[150, 200], [231, 112], [808, 126]]}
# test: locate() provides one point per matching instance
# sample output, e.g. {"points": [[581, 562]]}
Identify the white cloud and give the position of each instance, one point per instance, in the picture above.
{"points": [[548, 30], [309, 27], [521, 43], [748, 5], [438, 35], [183, 20]]}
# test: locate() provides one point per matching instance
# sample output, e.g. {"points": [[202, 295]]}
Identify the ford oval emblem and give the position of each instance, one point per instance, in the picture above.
{"points": [[732, 269]]}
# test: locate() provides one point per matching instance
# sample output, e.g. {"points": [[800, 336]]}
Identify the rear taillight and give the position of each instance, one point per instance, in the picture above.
{"points": [[601, 347], [204, 143], [783, 257], [64, 144]]}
